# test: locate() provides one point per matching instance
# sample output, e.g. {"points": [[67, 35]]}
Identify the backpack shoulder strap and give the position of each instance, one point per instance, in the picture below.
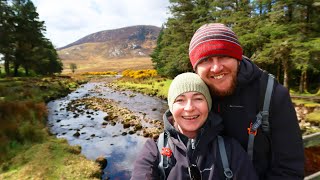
{"points": [[224, 158], [163, 161], [266, 103], [262, 118]]}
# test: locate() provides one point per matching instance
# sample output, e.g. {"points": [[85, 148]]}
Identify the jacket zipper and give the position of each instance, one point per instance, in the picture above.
{"points": [[193, 146], [235, 106], [193, 142]]}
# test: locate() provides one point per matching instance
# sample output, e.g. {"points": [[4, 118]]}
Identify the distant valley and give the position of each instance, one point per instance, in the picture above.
{"points": [[112, 50]]}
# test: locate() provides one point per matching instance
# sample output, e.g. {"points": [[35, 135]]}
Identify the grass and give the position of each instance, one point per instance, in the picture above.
{"points": [[305, 102], [54, 159], [151, 86], [314, 117], [37, 88]]}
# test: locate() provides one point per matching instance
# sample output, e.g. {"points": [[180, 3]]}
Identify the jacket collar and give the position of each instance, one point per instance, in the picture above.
{"points": [[247, 72]]}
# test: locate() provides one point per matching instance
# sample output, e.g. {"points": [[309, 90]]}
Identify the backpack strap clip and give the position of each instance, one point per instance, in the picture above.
{"points": [[228, 173], [264, 120], [252, 130]]}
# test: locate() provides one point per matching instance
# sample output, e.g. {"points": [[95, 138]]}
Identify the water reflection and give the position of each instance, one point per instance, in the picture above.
{"points": [[86, 129], [122, 156]]}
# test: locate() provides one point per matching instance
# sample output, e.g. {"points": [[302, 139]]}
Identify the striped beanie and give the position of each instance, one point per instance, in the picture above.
{"points": [[213, 39], [187, 82]]}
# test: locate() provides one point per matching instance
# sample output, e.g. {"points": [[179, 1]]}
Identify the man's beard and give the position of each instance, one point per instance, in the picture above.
{"points": [[216, 92]]}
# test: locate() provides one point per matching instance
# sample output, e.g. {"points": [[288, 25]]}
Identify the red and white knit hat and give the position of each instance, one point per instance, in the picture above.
{"points": [[213, 39]]}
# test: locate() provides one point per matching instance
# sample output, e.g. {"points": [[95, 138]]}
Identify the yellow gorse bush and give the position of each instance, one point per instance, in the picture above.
{"points": [[139, 74], [101, 73]]}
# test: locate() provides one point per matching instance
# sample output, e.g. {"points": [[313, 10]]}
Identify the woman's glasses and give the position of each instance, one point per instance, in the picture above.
{"points": [[194, 172]]}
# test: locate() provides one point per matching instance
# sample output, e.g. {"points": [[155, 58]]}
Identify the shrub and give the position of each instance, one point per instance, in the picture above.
{"points": [[20, 122], [139, 74], [112, 73]]}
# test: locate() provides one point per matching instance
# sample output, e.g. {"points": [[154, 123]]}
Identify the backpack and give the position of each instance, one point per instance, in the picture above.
{"points": [[262, 118], [164, 165]]}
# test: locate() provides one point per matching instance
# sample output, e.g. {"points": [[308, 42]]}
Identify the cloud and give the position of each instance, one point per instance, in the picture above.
{"points": [[69, 20]]}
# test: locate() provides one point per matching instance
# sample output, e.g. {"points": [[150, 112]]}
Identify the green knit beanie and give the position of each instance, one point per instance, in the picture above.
{"points": [[187, 82]]}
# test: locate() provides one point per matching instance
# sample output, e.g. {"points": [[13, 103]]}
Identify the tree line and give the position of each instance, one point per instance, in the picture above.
{"points": [[22, 42], [281, 36]]}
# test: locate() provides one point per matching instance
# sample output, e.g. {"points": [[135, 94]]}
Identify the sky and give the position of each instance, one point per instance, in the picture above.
{"points": [[69, 20]]}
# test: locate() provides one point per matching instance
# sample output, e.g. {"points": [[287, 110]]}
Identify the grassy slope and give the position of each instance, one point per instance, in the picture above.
{"points": [[53, 159]]}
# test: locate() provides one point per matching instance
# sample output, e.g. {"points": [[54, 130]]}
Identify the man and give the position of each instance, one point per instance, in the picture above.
{"points": [[234, 82]]}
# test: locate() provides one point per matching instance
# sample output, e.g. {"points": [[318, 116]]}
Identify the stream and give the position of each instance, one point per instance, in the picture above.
{"points": [[96, 139]]}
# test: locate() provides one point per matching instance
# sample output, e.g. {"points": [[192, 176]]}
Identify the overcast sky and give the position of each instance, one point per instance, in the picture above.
{"points": [[69, 20]]}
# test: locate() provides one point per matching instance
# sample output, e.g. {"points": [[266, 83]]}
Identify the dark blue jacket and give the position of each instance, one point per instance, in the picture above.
{"points": [[278, 155], [205, 155]]}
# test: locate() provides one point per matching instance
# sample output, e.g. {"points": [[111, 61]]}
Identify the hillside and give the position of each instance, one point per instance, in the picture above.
{"points": [[105, 50]]}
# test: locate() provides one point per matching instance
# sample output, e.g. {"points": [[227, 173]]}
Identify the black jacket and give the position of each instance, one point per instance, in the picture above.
{"points": [[205, 155], [278, 155]]}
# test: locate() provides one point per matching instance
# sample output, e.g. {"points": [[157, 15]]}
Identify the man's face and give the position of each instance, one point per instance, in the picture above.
{"points": [[220, 74]]}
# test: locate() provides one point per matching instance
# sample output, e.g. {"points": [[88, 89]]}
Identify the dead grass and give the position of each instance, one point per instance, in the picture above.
{"points": [[99, 64]]}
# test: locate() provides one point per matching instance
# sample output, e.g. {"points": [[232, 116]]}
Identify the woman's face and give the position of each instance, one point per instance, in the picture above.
{"points": [[190, 111]]}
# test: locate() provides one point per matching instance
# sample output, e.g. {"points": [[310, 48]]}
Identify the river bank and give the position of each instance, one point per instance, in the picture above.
{"points": [[27, 149]]}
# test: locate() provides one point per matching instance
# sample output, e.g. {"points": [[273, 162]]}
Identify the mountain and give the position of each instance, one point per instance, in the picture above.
{"points": [[127, 42]]}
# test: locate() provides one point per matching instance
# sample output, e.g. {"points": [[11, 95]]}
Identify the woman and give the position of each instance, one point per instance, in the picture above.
{"points": [[192, 132]]}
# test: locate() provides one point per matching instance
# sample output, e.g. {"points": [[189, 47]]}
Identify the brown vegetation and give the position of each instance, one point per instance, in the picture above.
{"points": [[23, 111], [99, 64], [312, 159]]}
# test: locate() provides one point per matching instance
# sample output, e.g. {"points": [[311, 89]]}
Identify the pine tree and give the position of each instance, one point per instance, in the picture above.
{"points": [[172, 57], [288, 33], [23, 43], [28, 32], [6, 35]]}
